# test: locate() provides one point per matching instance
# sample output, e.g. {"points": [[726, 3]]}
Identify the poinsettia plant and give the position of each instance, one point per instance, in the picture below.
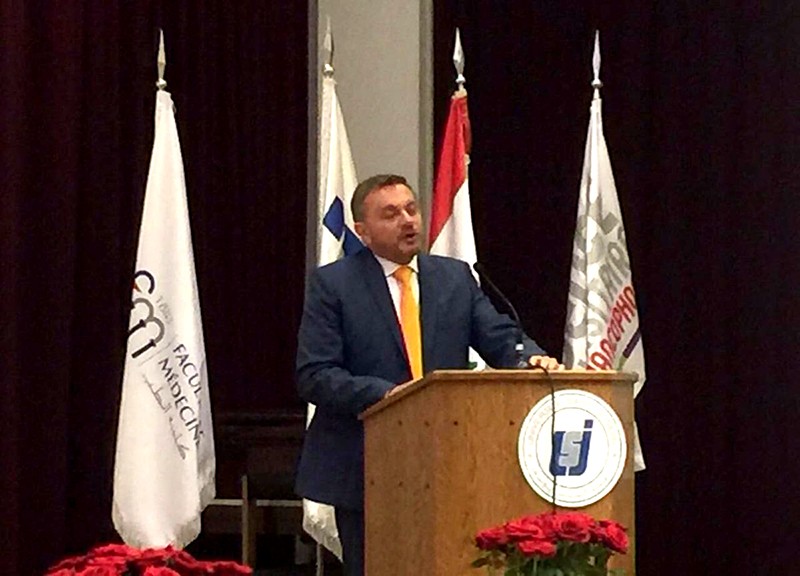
{"points": [[122, 560], [551, 544]]}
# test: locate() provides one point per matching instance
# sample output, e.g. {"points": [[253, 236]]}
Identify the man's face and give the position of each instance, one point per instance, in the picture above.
{"points": [[391, 226]]}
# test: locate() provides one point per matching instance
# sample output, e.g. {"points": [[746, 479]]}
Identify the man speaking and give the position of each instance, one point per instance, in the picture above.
{"points": [[374, 322]]}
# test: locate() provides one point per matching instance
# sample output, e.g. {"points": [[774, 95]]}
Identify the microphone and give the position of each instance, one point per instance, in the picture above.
{"points": [[519, 347]]}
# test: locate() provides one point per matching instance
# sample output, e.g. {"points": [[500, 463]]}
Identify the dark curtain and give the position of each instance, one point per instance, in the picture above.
{"points": [[77, 109], [702, 119]]}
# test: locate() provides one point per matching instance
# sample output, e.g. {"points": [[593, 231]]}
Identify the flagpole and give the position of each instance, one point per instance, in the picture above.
{"points": [[458, 62], [327, 51], [161, 84], [596, 83]]}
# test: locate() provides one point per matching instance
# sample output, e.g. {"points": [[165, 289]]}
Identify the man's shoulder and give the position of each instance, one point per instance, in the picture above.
{"points": [[365, 260], [444, 260], [346, 266], [443, 263]]}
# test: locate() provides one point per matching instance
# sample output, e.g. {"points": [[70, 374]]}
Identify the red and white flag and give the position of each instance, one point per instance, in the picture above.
{"points": [[451, 231]]}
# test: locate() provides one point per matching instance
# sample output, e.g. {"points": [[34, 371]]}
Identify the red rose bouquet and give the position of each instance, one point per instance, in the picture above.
{"points": [[122, 560], [567, 543]]}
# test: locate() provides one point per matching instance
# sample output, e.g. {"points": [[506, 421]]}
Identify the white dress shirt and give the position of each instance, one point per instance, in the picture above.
{"points": [[389, 268]]}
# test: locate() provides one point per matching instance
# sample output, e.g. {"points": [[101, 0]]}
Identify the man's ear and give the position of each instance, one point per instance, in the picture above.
{"points": [[359, 228]]}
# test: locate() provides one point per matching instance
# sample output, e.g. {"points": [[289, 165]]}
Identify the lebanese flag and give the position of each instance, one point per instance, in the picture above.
{"points": [[451, 217]]}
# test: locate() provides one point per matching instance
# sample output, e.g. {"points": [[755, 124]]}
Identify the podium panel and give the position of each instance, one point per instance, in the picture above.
{"points": [[441, 463]]}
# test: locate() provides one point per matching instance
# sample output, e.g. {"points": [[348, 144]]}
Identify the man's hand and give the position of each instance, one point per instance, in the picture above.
{"points": [[545, 362], [398, 388]]}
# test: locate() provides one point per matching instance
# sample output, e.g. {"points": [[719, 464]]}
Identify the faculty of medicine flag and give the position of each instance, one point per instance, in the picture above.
{"points": [[335, 238], [165, 464], [602, 329]]}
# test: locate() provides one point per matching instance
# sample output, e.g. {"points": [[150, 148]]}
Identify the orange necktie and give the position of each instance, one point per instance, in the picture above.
{"points": [[409, 321]]}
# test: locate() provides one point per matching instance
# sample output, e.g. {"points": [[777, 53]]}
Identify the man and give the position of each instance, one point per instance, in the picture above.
{"points": [[374, 322]]}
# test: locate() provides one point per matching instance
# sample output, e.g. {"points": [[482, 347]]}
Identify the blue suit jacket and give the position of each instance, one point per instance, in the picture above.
{"points": [[350, 353]]}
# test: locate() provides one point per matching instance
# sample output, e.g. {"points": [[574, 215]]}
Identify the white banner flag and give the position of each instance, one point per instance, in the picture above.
{"points": [[602, 329], [335, 238], [337, 182], [165, 464]]}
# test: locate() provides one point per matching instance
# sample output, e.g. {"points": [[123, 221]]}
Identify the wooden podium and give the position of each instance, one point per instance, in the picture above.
{"points": [[441, 464]]}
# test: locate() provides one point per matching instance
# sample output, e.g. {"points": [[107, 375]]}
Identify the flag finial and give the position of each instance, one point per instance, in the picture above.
{"points": [[327, 51], [596, 83], [162, 61], [458, 60]]}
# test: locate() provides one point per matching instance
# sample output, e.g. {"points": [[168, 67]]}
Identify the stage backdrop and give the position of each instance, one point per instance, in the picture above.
{"points": [[78, 104], [701, 119]]}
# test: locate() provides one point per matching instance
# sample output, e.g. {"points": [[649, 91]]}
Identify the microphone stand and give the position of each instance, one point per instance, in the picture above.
{"points": [[519, 347]]}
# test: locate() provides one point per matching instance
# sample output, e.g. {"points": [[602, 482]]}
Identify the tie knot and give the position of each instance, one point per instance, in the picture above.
{"points": [[403, 274]]}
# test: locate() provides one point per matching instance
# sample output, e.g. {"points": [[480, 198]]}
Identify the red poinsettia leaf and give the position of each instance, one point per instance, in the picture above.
{"points": [[67, 564], [101, 570], [183, 554], [159, 571], [188, 565], [120, 550], [225, 568], [113, 561], [154, 557]]}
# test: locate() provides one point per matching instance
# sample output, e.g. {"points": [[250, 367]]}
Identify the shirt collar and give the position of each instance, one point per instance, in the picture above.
{"points": [[389, 267]]}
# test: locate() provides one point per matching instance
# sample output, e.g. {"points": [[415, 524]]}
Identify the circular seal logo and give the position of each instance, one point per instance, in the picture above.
{"points": [[583, 451]]}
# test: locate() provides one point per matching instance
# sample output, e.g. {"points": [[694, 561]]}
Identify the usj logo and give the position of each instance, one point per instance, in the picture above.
{"points": [[583, 452], [571, 451]]}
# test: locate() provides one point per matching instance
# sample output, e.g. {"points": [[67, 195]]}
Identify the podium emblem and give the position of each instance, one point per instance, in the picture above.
{"points": [[572, 445]]}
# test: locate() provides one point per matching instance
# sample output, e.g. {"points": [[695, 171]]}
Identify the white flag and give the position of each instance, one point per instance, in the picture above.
{"points": [[338, 181], [165, 464], [602, 329], [335, 238]]}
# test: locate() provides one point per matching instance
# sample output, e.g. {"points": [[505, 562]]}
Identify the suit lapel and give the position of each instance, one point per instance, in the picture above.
{"points": [[379, 291], [429, 309]]}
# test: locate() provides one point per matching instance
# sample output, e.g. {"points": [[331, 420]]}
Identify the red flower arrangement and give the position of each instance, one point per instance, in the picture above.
{"points": [[122, 560], [567, 543]]}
